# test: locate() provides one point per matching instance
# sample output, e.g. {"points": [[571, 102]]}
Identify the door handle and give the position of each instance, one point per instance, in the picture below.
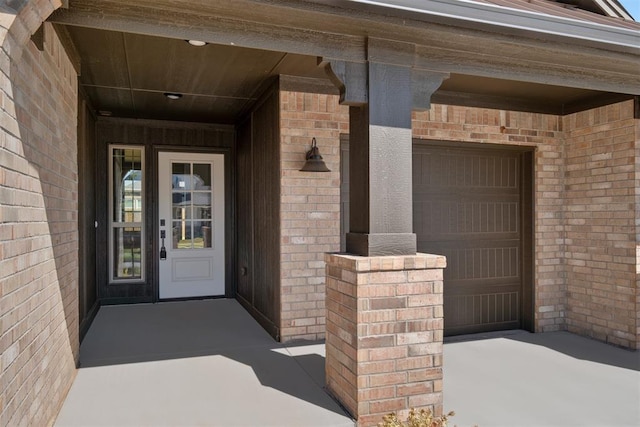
{"points": [[163, 234]]}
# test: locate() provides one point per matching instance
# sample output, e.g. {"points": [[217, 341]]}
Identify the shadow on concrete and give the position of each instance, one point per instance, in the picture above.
{"points": [[566, 343], [179, 330], [540, 380], [582, 348]]}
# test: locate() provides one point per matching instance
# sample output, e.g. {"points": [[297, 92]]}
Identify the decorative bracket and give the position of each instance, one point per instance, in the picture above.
{"points": [[350, 78], [353, 78], [423, 85]]}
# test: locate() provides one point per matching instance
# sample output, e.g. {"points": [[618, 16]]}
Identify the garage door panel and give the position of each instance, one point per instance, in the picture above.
{"points": [[466, 169], [427, 192], [472, 238], [467, 206], [482, 263], [477, 260], [482, 312], [438, 216], [479, 287]]}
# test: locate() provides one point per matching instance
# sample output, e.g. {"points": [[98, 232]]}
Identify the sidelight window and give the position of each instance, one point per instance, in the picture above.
{"points": [[126, 214]]}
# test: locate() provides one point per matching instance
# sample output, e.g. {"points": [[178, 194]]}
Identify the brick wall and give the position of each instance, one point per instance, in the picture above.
{"points": [[560, 263], [38, 219], [476, 125], [637, 231], [306, 115], [310, 209], [600, 227]]}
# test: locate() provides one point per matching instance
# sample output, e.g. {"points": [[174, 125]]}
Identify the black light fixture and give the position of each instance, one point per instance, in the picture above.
{"points": [[173, 95], [314, 161]]}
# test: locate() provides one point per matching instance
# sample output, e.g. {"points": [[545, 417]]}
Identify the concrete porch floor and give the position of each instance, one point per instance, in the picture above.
{"points": [[196, 363], [208, 363]]}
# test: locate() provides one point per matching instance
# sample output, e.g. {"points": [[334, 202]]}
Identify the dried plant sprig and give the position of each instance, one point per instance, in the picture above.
{"points": [[422, 418]]}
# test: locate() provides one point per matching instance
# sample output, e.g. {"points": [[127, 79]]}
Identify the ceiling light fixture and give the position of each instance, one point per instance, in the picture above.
{"points": [[105, 113], [197, 43], [173, 95]]}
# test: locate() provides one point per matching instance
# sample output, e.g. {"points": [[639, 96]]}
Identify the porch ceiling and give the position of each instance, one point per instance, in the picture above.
{"points": [[129, 56], [127, 75]]}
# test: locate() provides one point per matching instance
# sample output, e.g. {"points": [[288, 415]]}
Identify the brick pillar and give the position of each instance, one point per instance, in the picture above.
{"points": [[384, 333]]}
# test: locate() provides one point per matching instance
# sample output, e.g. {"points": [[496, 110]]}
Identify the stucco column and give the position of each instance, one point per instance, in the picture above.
{"points": [[384, 334]]}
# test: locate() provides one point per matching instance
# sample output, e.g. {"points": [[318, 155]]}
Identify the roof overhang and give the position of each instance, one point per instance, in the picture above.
{"points": [[483, 16], [611, 8], [494, 55]]}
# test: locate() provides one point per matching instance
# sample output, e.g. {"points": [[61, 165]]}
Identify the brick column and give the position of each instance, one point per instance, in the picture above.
{"points": [[384, 333]]}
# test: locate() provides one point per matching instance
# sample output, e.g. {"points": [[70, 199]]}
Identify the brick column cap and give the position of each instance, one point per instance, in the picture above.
{"points": [[358, 263]]}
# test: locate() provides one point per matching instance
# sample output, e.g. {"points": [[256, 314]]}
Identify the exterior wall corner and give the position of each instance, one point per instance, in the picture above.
{"points": [[38, 219], [309, 208], [601, 212]]}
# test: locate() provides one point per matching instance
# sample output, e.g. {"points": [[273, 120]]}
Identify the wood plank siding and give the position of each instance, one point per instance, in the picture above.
{"points": [[87, 292], [258, 207]]}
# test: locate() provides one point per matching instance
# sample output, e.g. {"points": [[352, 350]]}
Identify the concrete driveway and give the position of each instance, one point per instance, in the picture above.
{"points": [[551, 379]]}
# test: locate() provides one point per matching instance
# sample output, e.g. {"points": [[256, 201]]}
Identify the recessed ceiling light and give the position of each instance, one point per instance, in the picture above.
{"points": [[172, 95], [197, 43], [105, 113]]}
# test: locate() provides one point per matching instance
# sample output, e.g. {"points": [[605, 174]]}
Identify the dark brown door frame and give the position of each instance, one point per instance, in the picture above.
{"points": [[528, 212]]}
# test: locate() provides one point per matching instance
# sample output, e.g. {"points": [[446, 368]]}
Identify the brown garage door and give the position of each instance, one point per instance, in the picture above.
{"points": [[473, 205]]}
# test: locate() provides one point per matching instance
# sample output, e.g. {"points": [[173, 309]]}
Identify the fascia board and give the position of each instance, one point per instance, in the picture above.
{"points": [[482, 15]]}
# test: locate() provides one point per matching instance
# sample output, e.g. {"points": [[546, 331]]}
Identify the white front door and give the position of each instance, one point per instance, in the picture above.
{"points": [[191, 213]]}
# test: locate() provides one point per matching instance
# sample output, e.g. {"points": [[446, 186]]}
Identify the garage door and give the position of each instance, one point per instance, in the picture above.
{"points": [[473, 205]]}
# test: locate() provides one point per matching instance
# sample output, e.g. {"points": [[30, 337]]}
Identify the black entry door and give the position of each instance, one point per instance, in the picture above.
{"points": [[473, 205]]}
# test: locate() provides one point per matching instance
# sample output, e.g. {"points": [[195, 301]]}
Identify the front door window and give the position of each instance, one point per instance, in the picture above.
{"points": [[191, 205]]}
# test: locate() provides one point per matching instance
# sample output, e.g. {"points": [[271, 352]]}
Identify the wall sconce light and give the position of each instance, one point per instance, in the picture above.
{"points": [[314, 161]]}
